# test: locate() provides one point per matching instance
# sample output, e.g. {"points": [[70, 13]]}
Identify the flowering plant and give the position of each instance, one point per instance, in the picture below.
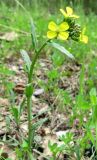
{"points": [[67, 29]]}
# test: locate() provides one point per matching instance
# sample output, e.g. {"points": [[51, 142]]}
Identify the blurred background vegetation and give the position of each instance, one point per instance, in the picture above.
{"points": [[14, 18], [88, 5]]}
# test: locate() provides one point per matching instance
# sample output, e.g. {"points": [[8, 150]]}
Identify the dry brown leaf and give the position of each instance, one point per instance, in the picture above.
{"points": [[19, 88], [24, 127], [4, 102], [6, 151], [9, 36]]}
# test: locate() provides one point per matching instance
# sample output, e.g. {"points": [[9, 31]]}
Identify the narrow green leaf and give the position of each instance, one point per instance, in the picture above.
{"points": [[93, 96], [33, 34], [61, 49], [15, 114], [22, 106], [95, 114], [26, 59]]}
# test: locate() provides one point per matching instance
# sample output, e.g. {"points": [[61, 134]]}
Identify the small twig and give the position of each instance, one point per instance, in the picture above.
{"points": [[57, 126], [41, 155]]}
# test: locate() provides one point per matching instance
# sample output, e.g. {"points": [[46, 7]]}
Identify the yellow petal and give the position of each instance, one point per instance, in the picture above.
{"points": [[51, 34], [63, 26], [63, 35], [85, 39], [69, 10], [64, 13], [52, 26]]}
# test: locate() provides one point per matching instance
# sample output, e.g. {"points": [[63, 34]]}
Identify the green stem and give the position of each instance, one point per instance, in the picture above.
{"points": [[34, 61], [29, 123], [96, 138], [29, 101]]}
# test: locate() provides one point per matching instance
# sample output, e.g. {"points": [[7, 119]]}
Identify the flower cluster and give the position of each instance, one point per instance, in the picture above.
{"points": [[67, 29]]}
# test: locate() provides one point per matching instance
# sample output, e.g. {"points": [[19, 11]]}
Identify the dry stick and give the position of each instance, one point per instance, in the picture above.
{"points": [[41, 155], [53, 130]]}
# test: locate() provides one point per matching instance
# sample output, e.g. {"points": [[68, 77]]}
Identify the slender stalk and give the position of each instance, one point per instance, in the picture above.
{"points": [[29, 101], [29, 123], [96, 138], [34, 61]]}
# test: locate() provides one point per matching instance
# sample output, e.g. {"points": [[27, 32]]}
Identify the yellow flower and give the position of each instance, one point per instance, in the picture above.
{"points": [[58, 31], [83, 37], [68, 13]]}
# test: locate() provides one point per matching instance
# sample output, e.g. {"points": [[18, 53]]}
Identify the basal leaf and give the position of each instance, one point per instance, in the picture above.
{"points": [[26, 59]]}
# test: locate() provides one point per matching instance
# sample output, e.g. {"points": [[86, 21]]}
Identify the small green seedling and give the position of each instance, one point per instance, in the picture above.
{"points": [[64, 148]]}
